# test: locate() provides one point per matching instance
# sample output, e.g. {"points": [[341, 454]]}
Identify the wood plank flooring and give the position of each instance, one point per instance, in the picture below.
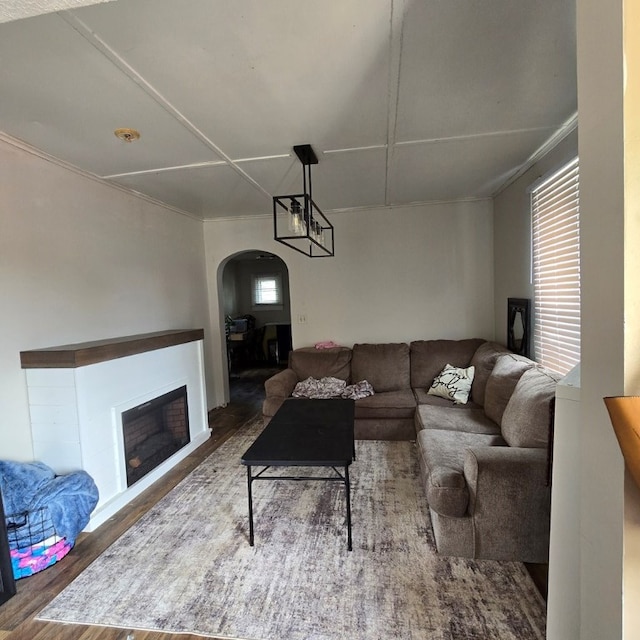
{"points": [[17, 614]]}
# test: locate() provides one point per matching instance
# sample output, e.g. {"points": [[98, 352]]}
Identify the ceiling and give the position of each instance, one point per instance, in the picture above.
{"points": [[403, 101]]}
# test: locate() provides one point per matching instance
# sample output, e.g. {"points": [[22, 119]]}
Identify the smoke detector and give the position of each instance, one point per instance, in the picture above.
{"points": [[127, 135]]}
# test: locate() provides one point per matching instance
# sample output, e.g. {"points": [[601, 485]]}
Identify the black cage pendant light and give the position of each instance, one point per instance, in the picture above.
{"points": [[297, 221]]}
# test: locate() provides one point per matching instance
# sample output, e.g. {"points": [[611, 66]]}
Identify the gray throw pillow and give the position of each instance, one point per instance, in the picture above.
{"points": [[502, 382], [483, 360], [526, 419]]}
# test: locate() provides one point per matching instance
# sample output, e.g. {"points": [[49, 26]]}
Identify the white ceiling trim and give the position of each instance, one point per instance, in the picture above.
{"points": [[567, 127]]}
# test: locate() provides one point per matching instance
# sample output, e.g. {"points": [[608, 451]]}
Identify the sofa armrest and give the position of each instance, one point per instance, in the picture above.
{"points": [[281, 385], [509, 501]]}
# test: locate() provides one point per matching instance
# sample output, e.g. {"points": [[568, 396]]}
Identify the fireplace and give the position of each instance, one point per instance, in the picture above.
{"points": [[154, 431], [77, 397]]}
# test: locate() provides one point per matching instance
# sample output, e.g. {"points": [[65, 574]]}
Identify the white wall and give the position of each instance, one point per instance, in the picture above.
{"points": [[512, 232], [81, 260], [398, 275], [602, 220]]}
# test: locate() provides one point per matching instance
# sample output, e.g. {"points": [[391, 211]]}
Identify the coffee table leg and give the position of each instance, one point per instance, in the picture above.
{"points": [[249, 484], [347, 488]]}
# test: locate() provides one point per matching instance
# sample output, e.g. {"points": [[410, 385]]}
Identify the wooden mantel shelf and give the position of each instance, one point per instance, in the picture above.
{"points": [[71, 356]]}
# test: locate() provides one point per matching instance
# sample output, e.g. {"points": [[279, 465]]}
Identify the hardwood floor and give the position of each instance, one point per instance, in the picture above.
{"points": [[17, 614]]}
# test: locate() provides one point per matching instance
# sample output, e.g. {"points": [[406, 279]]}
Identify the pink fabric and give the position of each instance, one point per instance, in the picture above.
{"points": [[326, 344]]}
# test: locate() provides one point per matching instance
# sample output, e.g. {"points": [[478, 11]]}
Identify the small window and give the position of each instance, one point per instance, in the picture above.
{"points": [[267, 290]]}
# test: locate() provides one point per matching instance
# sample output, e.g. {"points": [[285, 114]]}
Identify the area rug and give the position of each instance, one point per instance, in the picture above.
{"points": [[187, 567]]}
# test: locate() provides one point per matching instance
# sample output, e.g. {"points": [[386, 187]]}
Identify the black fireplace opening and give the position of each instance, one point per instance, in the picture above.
{"points": [[154, 431]]}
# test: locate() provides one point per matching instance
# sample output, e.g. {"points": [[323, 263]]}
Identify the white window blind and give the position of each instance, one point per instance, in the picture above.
{"points": [[267, 290], [556, 269]]}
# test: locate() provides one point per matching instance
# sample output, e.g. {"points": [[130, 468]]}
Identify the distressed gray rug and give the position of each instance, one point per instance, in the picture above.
{"points": [[186, 566]]}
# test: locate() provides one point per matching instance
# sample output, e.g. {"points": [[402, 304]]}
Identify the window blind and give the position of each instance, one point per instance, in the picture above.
{"points": [[556, 269]]}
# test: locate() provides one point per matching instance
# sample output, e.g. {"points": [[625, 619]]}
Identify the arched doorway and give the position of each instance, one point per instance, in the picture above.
{"points": [[254, 302]]}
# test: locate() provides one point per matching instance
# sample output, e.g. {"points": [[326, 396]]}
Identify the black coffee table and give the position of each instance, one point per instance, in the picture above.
{"points": [[305, 433]]}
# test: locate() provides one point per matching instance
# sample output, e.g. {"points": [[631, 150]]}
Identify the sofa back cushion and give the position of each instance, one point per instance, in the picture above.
{"points": [[429, 357], [384, 366], [526, 419], [310, 362], [501, 383], [483, 360]]}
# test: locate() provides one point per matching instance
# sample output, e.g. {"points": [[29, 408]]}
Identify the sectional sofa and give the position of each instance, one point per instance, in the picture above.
{"points": [[484, 463]]}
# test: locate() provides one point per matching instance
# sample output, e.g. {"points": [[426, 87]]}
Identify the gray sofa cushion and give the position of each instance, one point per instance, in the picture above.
{"points": [[310, 362], [484, 359], [384, 429], [443, 454], [526, 419], [428, 358], [502, 382], [384, 366], [388, 404], [468, 419]]}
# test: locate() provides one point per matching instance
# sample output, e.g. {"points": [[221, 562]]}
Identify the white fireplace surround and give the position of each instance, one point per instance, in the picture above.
{"points": [[76, 416]]}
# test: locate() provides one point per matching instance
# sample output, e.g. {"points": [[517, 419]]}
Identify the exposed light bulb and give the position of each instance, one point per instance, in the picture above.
{"points": [[295, 219]]}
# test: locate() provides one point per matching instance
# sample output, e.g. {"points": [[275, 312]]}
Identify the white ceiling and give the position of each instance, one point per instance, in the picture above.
{"points": [[403, 101]]}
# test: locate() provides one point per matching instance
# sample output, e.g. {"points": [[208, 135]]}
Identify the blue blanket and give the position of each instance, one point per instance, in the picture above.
{"points": [[31, 486]]}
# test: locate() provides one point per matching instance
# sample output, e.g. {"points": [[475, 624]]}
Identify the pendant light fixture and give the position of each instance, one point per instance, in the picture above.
{"points": [[297, 221]]}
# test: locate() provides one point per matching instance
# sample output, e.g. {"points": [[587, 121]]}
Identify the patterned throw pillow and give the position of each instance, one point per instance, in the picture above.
{"points": [[358, 390], [453, 383]]}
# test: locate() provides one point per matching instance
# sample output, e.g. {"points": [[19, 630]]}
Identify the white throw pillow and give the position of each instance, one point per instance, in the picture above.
{"points": [[453, 383]]}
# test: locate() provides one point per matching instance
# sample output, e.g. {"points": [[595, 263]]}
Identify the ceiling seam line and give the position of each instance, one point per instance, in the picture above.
{"points": [[371, 147], [472, 136], [100, 45], [195, 165], [345, 210], [396, 24]]}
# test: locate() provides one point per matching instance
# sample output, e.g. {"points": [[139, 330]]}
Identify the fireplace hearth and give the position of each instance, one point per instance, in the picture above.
{"points": [[154, 431]]}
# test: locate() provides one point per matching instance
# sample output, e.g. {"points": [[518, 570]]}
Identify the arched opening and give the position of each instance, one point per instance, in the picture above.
{"points": [[254, 304]]}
